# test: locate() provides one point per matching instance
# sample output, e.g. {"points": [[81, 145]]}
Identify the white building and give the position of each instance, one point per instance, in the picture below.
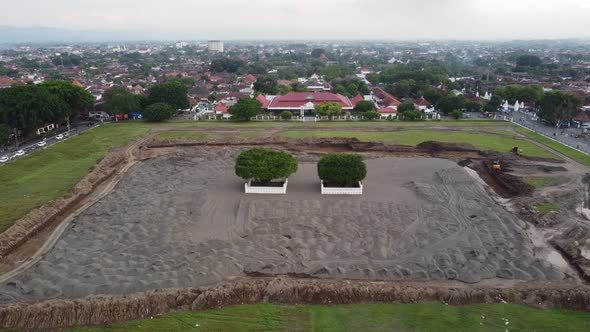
{"points": [[215, 46]]}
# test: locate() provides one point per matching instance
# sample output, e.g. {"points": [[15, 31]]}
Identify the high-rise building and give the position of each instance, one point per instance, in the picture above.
{"points": [[215, 46]]}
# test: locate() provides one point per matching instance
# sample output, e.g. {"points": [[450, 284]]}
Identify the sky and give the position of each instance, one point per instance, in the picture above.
{"points": [[310, 19]]}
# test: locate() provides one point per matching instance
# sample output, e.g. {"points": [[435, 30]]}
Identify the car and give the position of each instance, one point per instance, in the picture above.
{"points": [[19, 153], [4, 159], [41, 144], [60, 136]]}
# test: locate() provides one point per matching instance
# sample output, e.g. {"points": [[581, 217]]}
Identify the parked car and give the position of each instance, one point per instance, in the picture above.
{"points": [[60, 136], [4, 159], [19, 153], [41, 144]]}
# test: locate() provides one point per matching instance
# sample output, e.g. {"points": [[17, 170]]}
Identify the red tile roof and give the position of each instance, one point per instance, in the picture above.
{"points": [[250, 78], [386, 98], [221, 108], [78, 84], [298, 99], [423, 102], [7, 81], [582, 117], [262, 99], [387, 110], [356, 99]]}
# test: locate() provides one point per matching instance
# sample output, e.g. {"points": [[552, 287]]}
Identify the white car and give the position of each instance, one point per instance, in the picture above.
{"points": [[41, 144], [4, 159], [60, 136], [19, 153]]}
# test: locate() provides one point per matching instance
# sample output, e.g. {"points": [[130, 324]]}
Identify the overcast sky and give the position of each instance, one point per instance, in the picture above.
{"points": [[311, 19]]}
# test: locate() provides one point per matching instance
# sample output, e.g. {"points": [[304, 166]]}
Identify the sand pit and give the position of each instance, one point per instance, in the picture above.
{"points": [[183, 221]]}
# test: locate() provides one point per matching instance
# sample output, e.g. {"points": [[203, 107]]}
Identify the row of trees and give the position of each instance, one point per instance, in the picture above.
{"points": [[161, 103], [27, 107]]}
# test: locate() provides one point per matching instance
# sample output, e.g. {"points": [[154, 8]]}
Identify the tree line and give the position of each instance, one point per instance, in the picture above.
{"points": [[28, 107]]}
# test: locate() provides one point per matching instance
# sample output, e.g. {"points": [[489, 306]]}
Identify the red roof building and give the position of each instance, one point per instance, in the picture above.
{"points": [[220, 108], [385, 98], [249, 78], [306, 101], [387, 110], [262, 99], [356, 100]]}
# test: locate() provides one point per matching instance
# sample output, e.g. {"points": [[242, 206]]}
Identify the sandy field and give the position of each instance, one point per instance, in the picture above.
{"points": [[183, 220]]}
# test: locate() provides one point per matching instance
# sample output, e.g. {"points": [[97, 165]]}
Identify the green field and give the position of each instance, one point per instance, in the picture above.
{"points": [[361, 317], [199, 135], [31, 181], [335, 124], [567, 151], [502, 143]]}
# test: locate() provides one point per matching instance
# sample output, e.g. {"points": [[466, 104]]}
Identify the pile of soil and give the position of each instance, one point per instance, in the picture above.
{"points": [[434, 146], [509, 184]]}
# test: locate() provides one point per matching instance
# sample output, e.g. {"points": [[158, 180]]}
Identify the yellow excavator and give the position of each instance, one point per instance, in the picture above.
{"points": [[496, 166]]}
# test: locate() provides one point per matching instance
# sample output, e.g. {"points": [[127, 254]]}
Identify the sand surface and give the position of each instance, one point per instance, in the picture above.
{"points": [[183, 220]]}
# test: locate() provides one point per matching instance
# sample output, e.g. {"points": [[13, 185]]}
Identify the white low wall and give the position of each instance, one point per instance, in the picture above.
{"points": [[248, 189], [342, 191]]}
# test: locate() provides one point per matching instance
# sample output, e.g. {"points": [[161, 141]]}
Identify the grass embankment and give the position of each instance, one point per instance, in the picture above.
{"points": [[565, 150], [501, 143], [361, 317], [31, 181]]}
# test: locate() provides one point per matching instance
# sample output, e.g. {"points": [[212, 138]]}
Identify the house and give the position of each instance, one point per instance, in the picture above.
{"points": [[263, 100], [388, 112], [249, 78], [582, 119], [303, 103], [221, 109], [384, 99]]}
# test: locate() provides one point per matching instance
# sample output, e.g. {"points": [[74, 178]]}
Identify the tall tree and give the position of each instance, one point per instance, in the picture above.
{"points": [[120, 101], [77, 98], [27, 107], [451, 102], [364, 106], [328, 109], [245, 109], [558, 107], [266, 84], [172, 92]]}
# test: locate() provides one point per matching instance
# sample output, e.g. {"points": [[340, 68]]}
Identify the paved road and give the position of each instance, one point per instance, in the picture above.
{"points": [[565, 136], [31, 146]]}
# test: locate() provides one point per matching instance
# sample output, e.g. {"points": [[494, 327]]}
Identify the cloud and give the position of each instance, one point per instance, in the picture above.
{"points": [[312, 19]]}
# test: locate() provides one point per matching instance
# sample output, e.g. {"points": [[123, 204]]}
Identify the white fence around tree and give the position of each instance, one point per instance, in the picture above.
{"points": [[249, 189], [342, 191]]}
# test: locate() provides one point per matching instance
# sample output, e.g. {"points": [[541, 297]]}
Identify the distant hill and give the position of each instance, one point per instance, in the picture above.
{"points": [[14, 35]]}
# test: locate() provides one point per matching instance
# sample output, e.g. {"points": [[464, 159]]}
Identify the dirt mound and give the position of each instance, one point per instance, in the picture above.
{"points": [[510, 185], [434, 146], [95, 310]]}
